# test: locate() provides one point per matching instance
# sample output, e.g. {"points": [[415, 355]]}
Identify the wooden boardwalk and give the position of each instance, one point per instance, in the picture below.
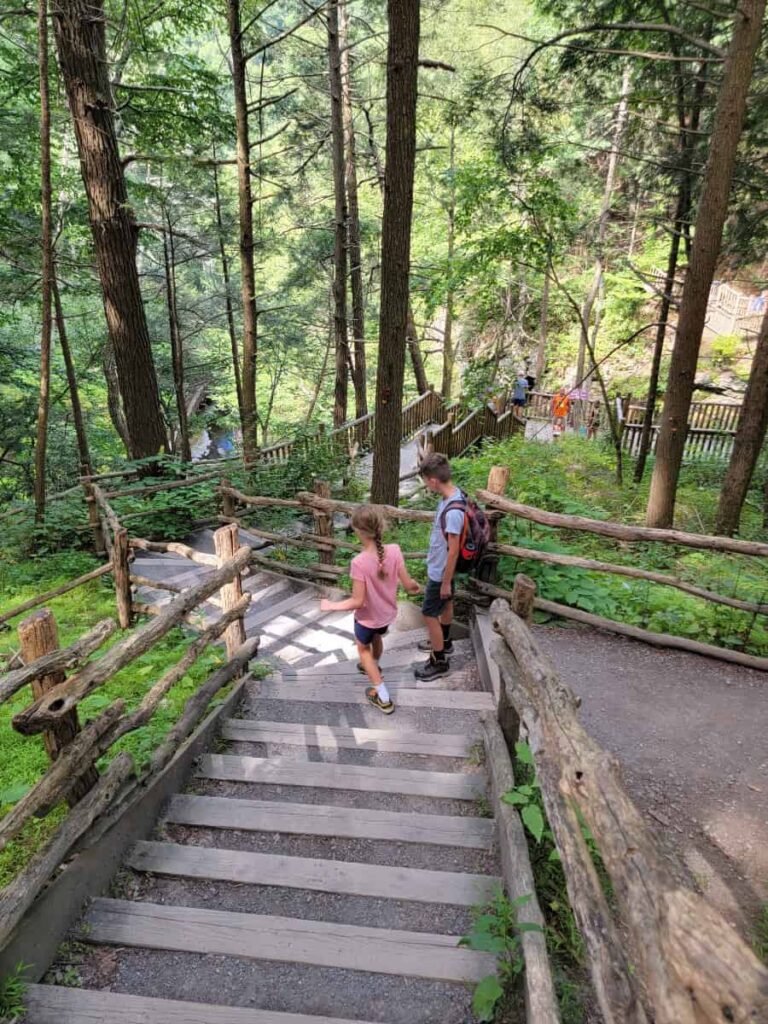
{"points": [[321, 866]]}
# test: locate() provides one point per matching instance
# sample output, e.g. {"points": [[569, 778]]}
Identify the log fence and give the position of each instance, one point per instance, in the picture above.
{"points": [[657, 952], [74, 751]]}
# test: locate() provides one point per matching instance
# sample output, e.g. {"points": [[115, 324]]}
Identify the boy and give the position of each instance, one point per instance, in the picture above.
{"points": [[443, 554]]}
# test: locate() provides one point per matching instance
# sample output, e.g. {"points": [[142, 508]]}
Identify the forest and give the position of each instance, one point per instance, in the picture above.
{"points": [[195, 208]]}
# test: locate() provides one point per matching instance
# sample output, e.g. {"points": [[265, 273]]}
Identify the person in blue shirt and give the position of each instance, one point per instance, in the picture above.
{"points": [[520, 392], [442, 557]]}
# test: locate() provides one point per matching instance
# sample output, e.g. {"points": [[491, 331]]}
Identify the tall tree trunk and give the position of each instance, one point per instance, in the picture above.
{"points": [[177, 348], [448, 353], [402, 87], [750, 435], [417, 361], [622, 113], [47, 262], [247, 267], [710, 218], [323, 370], [114, 400], [81, 41], [354, 247], [228, 293], [541, 350], [340, 220], [74, 394]]}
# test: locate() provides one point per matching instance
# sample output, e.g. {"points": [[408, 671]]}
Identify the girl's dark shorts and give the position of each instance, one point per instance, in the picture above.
{"points": [[433, 604], [365, 634]]}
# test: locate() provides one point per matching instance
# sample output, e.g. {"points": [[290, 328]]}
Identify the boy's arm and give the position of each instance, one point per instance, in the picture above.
{"points": [[349, 604], [407, 581], [454, 543]]}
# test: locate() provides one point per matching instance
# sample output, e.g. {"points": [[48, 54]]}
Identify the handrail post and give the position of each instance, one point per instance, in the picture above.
{"points": [[38, 635], [323, 523], [122, 576], [228, 509], [93, 514], [227, 542], [498, 479]]}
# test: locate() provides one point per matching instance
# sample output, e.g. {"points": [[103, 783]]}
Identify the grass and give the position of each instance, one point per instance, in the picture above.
{"points": [[23, 759], [760, 939]]}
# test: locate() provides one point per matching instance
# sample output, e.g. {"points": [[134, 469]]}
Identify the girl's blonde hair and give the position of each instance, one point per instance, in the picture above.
{"points": [[369, 521]]}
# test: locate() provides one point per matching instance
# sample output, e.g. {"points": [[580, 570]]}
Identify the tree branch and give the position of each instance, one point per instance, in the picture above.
{"points": [[284, 35]]}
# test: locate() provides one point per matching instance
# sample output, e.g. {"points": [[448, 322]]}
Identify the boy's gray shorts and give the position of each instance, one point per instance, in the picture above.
{"points": [[433, 604]]}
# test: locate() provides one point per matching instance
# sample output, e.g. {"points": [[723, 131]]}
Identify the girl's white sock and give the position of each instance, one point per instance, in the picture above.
{"points": [[383, 692]]}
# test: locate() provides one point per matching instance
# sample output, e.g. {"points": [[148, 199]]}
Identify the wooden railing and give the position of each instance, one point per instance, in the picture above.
{"points": [[657, 951], [74, 751]]}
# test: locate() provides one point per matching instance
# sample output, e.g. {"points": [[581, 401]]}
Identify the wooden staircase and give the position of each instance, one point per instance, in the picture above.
{"points": [[321, 865]]}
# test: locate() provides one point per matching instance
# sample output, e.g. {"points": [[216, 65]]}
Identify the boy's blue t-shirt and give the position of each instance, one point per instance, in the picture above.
{"points": [[521, 386], [437, 556]]}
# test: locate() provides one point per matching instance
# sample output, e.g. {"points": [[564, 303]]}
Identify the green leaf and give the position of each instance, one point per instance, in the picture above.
{"points": [[554, 856], [528, 926], [487, 993], [515, 798], [484, 942], [523, 753], [534, 821], [14, 793]]}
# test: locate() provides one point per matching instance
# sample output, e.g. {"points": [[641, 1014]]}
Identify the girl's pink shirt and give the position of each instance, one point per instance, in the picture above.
{"points": [[380, 608]]}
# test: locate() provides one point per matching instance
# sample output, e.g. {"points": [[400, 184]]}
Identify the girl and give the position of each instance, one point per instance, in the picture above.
{"points": [[375, 574]]}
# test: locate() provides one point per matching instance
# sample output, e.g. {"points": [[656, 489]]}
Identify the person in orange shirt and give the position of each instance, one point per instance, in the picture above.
{"points": [[561, 407]]}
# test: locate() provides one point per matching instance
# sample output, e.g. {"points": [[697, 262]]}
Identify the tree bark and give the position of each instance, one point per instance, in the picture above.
{"points": [[402, 86], [448, 353], [710, 219], [750, 435], [79, 27], [622, 113], [541, 350], [417, 362], [74, 392], [247, 267], [47, 262], [341, 343], [681, 221], [177, 350], [228, 293], [354, 247]]}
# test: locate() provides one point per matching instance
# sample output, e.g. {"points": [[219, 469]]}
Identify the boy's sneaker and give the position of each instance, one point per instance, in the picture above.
{"points": [[432, 668], [426, 645], [385, 706]]}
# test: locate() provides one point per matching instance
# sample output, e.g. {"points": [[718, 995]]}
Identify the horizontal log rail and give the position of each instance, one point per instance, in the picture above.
{"points": [[49, 595], [666, 640], [64, 697], [681, 959], [174, 548], [619, 531]]}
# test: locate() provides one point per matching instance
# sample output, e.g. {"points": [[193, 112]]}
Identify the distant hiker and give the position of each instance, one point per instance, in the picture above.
{"points": [[593, 422], [375, 574], [520, 393], [561, 407]]}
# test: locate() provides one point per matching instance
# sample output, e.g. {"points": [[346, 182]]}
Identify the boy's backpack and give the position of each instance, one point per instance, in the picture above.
{"points": [[475, 534]]}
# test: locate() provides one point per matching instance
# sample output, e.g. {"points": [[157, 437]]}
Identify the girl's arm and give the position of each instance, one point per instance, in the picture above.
{"points": [[350, 604], [407, 581]]}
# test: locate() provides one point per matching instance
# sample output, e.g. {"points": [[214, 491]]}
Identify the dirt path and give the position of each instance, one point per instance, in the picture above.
{"points": [[692, 737]]}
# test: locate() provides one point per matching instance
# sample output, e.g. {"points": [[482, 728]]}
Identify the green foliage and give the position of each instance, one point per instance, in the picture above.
{"points": [[496, 929], [13, 988], [724, 349], [760, 939]]}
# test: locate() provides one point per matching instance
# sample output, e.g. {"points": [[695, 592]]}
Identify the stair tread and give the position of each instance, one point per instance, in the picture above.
{"points": [[353, 692], [337, 876], [327, 820], [350, 737], [53, 1004], [286, 939], [286, 772]]}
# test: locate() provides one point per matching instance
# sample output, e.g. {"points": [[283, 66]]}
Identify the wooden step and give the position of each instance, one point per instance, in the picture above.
{"points": [[338, 876], [348, 737], [353, 693], [398, 659], [322, 820], [274, 611], [280, 771], [285, 939], [51, 1004]]}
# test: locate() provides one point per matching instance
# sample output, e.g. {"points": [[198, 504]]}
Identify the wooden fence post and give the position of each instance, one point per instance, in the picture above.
{"points": [[93, 516], [38, 635], [498, 478], [122, 574], [228, 508], [324, 523], [227, 541], [523, 596]]}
